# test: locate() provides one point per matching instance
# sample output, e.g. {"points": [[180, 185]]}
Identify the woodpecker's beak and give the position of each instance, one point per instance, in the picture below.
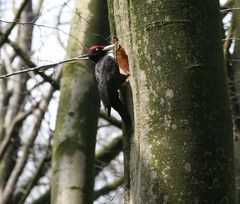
{"points": [[109, 47], [85, 56]]}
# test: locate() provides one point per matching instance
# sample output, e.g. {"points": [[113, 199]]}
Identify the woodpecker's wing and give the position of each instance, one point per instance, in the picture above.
{"points": [[103, 88], [111, 70], [108, 80]]}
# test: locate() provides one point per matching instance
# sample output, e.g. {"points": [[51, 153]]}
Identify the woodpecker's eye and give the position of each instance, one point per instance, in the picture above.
{"points": [[96, 49]]}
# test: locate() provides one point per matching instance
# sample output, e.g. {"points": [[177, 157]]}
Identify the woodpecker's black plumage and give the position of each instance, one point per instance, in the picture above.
{"points": [[109, 80]]}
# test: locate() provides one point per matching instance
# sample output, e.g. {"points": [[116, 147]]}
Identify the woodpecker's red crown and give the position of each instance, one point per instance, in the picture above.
{"points": [[95, 48]]}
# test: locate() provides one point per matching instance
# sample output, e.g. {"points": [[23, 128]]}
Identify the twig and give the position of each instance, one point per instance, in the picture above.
{"points": [[229, 9], [44, 67]]}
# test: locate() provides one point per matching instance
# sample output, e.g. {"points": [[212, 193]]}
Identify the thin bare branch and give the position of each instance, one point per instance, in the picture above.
{"points": [[40, 68], [228, 9]]}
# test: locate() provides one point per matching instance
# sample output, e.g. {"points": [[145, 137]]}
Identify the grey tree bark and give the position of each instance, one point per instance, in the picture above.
{"points": [[182, 149]]}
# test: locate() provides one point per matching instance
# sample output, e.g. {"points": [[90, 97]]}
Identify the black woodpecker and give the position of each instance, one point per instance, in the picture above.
{"points": [[109, 80]]}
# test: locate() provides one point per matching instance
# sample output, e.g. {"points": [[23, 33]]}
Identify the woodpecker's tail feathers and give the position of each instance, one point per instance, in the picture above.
{"points": [[119, 107]]}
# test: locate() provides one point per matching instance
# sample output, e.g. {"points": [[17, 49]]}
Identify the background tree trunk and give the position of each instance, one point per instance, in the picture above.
{"points": [[8, 115], [75, 135], [182, 150]]}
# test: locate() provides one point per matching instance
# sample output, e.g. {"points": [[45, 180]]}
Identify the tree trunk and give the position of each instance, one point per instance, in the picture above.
{"points": [[75, 135], [182, 150]]}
